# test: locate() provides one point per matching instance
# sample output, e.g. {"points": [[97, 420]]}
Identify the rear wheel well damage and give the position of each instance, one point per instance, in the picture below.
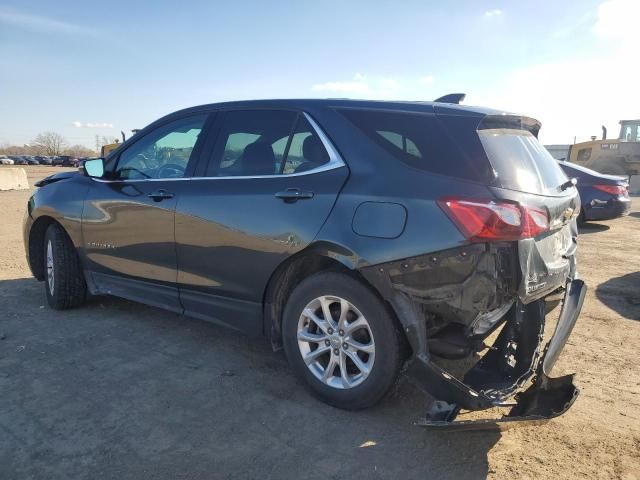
{"points": [[288, 275], [36, 245], [448, 301]]}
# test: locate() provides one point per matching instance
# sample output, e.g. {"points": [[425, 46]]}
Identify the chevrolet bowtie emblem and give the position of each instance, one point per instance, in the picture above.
{"points": [[568, 213]]}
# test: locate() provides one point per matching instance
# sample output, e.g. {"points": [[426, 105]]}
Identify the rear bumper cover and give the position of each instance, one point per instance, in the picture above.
{"points": [[504, 372], [515, 371], [607, 210]]}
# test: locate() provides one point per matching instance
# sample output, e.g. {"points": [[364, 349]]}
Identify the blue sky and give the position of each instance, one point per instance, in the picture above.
{"points": [[87, 68]]}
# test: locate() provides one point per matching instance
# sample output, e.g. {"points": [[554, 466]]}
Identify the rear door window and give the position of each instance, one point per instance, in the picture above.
{"points": [[244, 146], [306, 151], [266, 142]]}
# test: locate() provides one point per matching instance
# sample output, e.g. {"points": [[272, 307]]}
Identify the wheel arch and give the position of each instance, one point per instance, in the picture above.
{"points": [[36, 244], [318, 257]]}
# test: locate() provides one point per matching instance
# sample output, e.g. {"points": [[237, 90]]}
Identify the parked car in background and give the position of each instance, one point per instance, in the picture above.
{"points": [[602, 197], [365, 238], [63, 161], [4, 160], [44, 160], [31, 160], [21, 161]]}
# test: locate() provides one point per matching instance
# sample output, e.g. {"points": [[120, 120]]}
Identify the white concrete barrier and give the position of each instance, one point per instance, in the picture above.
{"points": [[13, 179], [634, 185]]}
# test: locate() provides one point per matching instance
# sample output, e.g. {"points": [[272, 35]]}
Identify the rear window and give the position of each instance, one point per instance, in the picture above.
{"points": [[521, 162], [418, 140]]}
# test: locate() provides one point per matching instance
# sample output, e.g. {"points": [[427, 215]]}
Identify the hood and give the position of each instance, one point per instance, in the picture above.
{"points": [[56, 177]]}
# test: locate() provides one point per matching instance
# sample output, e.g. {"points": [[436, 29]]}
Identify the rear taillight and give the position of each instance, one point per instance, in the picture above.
{"points": [[486, 220], [612, 189]]}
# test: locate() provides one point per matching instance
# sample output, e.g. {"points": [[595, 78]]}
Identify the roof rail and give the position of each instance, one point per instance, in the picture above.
{"points": [[451, 98]]}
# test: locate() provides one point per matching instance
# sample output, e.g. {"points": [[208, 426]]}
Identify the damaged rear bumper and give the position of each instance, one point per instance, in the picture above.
{"points": [[496, 377], [515, 372]]}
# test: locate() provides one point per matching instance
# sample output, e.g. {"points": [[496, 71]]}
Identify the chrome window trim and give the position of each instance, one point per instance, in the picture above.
{"points": [[335, 161]]}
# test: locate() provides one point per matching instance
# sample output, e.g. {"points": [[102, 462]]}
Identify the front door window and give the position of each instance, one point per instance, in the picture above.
{"points": [[163, 153]]}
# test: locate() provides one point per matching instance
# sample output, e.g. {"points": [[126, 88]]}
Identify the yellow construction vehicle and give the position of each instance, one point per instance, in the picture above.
{"points": [[104, 151], [618, 157]]}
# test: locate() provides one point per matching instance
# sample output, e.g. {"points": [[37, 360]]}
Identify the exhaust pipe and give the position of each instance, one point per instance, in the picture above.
{"points": [[604, 132]]}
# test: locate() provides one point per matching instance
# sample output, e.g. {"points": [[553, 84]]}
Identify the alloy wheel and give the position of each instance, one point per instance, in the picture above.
{"points": [[336, 342], [50, 268]]}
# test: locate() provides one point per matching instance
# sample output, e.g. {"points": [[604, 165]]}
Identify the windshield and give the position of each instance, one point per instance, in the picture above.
{"points": [[630, 132], [521, 162]]}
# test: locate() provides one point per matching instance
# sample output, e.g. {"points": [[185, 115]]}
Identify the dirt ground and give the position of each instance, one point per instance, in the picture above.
{"points": [[123, 391]]}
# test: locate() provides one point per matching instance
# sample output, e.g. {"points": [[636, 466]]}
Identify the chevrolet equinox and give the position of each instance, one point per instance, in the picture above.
{"points": [[367, 239]]}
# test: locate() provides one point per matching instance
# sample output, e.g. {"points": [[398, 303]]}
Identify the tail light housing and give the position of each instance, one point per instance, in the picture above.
{"points": [[613, 189], [482, 220]]}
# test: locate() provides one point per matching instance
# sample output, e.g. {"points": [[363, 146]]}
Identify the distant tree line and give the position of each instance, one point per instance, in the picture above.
{"points": [[53, 144]]}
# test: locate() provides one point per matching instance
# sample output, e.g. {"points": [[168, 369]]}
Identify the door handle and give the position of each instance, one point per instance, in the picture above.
{"points": [[160, 195], [291, 195]]}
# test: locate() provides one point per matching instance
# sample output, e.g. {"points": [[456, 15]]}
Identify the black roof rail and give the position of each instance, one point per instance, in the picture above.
{"points": [[451, 98]]}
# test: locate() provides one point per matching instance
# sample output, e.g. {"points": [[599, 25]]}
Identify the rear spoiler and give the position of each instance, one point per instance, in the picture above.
{"points": [[512, 122]]}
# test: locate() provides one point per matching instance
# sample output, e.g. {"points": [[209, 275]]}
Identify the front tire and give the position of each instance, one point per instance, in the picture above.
{"points": [[340, 339], [64, 280]]}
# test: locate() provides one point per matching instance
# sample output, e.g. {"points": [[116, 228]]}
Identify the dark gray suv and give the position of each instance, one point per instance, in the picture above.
{"points": [[368, 239]]}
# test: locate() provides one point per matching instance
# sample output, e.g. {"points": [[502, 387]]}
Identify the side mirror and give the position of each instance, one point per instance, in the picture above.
{"points": [[93, 167]]}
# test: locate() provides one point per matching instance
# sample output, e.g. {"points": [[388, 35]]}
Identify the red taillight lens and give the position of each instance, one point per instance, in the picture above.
{"points": [[612, 189], [486, 220]]}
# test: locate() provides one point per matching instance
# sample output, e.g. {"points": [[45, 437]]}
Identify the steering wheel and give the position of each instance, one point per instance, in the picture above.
{"points": [[170, 170]]}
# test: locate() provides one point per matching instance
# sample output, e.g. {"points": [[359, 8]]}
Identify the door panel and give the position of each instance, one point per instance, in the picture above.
{"points": [[255, 207], [128, 234], [232, 233], [128, 220]]}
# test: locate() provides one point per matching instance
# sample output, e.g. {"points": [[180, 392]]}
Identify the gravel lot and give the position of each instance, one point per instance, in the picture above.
{"points": [[123, 391]]}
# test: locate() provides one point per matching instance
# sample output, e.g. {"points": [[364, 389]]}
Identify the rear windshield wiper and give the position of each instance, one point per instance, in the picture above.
{"points": [[569, 183]]}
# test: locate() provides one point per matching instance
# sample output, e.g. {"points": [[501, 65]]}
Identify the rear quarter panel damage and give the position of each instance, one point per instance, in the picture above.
{"points": [[453, 285]]}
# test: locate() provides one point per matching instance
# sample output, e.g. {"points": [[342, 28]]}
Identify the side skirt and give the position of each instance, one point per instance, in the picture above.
{"points": [[240, 315], [153, 294]]}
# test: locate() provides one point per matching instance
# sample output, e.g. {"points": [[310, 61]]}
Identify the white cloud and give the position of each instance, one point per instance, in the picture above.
{"points": [[376, 87], [342, 87], [363, 85], [570, 98], [41, 24], [576, 95], [618, 19], [389, 84], [493, 13], [91, 125]]}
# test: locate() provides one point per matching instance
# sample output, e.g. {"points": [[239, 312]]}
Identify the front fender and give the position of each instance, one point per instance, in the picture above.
{"points": [[62, 202]]}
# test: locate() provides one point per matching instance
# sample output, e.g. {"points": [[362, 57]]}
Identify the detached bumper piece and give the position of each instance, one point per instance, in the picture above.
{"points": [[499, 378]]}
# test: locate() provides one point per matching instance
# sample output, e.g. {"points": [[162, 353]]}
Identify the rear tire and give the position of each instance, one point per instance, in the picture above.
{"points": [[64, 279], [361, 356]]}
